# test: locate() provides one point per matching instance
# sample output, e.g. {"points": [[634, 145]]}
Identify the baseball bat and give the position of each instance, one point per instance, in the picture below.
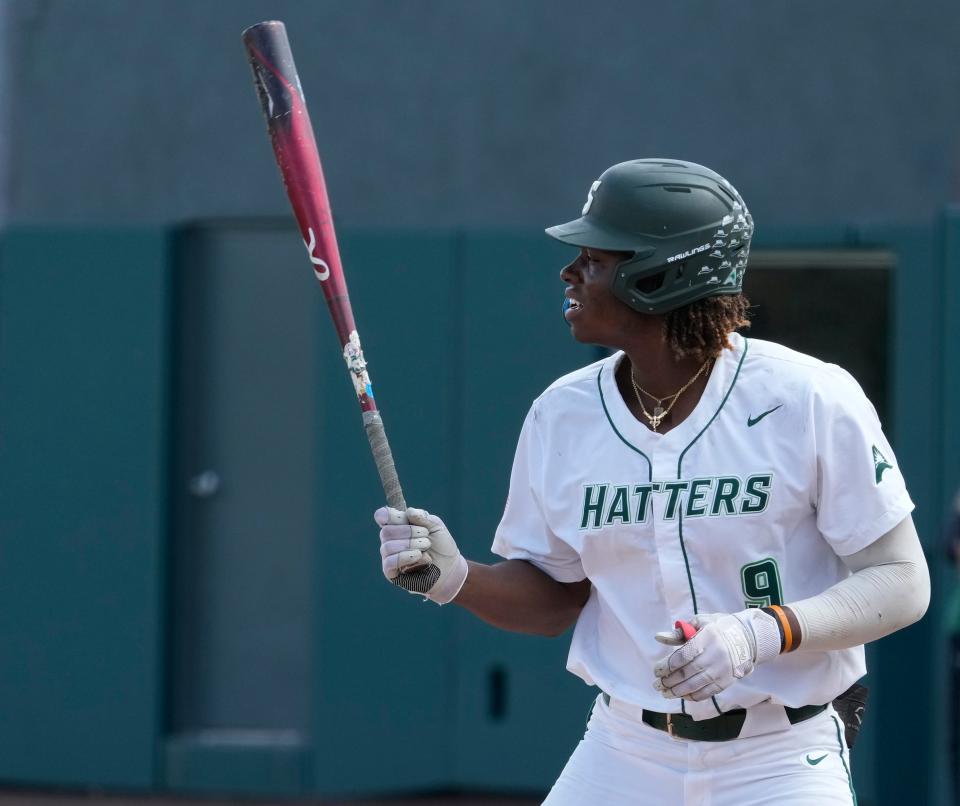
{"points": [[295, 148]]}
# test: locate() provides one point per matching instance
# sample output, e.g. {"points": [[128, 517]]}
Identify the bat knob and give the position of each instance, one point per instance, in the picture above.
{"points": [[686, 628], [419, 581]]}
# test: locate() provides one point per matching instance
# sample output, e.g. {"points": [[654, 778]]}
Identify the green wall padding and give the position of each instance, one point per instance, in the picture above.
{"points": [[83, 346]]}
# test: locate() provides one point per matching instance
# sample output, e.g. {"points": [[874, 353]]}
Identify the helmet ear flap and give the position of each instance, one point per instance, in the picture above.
{"points": [[638, 255], [651, 283]]}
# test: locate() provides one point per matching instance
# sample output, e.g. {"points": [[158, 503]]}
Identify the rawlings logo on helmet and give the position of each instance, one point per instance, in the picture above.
{"points": [[689, 252]]}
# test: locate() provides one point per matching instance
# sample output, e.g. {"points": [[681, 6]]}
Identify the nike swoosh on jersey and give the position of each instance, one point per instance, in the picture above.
{"points": [[752, 421], [814, 761]]}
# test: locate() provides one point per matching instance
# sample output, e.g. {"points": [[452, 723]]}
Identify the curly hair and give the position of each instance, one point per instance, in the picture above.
{"points": [[700, 330]]}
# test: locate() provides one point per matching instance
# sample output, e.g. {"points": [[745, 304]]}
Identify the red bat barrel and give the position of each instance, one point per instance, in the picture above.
{"points": [[281, 96], [295, 148]]}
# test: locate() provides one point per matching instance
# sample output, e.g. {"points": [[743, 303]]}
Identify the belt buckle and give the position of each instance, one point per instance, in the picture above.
{"points": [[670, 726]]}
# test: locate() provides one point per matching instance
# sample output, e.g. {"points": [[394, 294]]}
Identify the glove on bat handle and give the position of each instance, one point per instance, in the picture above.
{"points": [[418, 580]]}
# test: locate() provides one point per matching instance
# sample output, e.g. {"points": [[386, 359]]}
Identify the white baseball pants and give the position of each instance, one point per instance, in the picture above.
{"points": [[621, 761]]}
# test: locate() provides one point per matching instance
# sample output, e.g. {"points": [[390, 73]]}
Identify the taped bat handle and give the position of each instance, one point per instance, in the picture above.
{"points": [[383, 456], [419, 580]]}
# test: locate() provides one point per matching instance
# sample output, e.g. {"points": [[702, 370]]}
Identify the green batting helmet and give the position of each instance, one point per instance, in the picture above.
{"points": [[678, 220]]}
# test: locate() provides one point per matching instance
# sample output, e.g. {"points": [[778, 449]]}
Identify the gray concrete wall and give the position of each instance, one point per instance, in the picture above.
{"points": [[485, 113]]}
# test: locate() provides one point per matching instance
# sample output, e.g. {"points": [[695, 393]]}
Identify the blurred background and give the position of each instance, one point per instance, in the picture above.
{"points": [[191, 601]]}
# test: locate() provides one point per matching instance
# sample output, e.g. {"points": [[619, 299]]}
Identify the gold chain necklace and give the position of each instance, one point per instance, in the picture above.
{"points": [[659, 412]]}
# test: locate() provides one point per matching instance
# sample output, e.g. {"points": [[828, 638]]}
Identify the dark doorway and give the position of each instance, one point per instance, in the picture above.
{"points": [[831, 304]]}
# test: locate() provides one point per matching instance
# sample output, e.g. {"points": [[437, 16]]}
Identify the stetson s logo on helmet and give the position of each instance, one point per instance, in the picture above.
{"points": [[667, 214], [589, 202]]}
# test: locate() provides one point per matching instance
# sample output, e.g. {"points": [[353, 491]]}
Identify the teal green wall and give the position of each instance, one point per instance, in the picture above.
{"points": [[382, 657], [461, 332], [949, 369], [83, 345]]}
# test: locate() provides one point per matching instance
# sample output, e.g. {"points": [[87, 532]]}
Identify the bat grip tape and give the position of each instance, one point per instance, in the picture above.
{"points": [[419, 580], [383, 456]]}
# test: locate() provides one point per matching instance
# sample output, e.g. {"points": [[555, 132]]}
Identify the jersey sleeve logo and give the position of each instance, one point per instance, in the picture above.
{"points": [[880, 463]]}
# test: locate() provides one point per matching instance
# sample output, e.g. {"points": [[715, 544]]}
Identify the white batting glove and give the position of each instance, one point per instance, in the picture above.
{"points": [[419, 555], [725, 649]]}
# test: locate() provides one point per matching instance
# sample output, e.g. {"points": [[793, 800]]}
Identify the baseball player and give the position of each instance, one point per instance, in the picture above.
{"points": [[722, 518]]}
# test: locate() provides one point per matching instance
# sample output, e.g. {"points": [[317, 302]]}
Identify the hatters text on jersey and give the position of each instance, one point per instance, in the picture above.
{"points": [[710, 497]]}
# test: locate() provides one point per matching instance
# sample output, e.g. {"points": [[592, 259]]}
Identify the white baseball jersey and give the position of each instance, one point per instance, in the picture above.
{"points": [[781, 469]]}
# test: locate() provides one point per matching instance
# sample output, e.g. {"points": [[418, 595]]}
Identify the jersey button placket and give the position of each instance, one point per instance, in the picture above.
{"points": [[665, 510]]}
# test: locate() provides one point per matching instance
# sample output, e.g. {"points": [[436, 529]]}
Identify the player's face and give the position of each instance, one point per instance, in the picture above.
{"points": [[595, 315]]}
